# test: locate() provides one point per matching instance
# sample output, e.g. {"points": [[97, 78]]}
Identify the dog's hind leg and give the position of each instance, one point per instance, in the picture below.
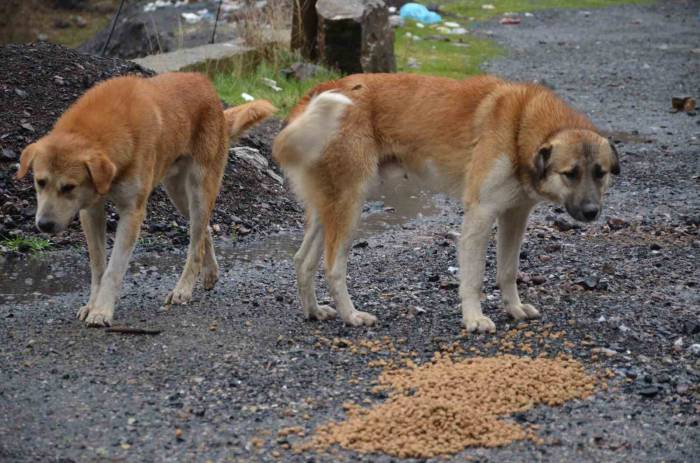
{"points": [[339, 218], [511, 227], [200, 201], [93, 222], [176, 190], [306, 262]]}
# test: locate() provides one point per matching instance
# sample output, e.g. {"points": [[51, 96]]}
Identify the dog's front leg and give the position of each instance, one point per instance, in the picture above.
{"points": [[511, 227], [476, 231], [93, 222], [102, 311]]}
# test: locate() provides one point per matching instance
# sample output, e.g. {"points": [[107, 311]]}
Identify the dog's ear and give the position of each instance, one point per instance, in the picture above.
{"points": [[102, 172], [542, 160], [241, 118], [25, 160], [615, 161]]}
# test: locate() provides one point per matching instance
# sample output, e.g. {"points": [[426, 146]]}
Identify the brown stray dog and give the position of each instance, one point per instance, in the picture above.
{"points": [[501, 147], [118, 142]]}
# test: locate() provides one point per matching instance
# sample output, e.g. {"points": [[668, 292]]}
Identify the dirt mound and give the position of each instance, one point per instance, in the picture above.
{"points": [[37, 84]]}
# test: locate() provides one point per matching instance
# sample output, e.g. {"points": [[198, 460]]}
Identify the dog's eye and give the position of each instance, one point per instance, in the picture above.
{"points": [[67, 188], [571, 174], [598, 173], [41, 183]]}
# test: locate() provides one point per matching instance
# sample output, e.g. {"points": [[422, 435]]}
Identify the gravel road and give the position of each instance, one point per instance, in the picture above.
{"points": [[239, 363]]}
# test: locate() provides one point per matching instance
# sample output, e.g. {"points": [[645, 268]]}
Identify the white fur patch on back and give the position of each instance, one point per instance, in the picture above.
{"points": [[310, 133]]}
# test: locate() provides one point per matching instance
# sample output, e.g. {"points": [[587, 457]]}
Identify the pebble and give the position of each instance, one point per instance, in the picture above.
{"points": [[649, 391], [694, 349]]}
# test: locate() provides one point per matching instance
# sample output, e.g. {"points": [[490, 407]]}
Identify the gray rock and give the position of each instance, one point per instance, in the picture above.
{"points": [[301, 71], [134, 37], [252, 156], [355, 35]]}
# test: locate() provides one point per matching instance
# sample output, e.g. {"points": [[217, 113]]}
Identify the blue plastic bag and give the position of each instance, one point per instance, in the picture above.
{"points": [[419, 13]]}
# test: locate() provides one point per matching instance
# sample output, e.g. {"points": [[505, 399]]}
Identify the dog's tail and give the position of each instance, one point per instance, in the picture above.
{"points": [[305, 138], [241, 118]]}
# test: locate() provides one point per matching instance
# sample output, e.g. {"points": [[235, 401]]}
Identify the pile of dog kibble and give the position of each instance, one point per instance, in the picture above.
{"points": [[446, 405]]}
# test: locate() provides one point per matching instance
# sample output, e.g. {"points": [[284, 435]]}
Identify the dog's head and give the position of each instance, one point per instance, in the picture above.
{"points": [[69, 175], [574, 168]]}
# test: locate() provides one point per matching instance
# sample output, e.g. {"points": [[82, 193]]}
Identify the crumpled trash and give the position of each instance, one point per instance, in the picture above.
{"points": [[683, 103], [201, 15], [510, 20], [153, 6], [420, 13]]}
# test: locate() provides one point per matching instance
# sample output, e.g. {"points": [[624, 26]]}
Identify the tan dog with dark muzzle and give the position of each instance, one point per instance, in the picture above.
{"points": [[119, 141], [500, 147]]}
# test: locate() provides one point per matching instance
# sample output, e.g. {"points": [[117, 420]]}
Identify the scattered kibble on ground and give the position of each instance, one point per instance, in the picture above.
{"points": [[446, 405]]}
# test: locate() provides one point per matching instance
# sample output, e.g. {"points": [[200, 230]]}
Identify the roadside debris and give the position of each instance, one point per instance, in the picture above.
{"points": [[419, 13], [510, 20], [132, 330], [683, 103]]}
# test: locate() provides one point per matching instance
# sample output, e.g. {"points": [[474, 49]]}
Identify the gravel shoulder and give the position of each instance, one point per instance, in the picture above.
{"points": [[239, 363]]}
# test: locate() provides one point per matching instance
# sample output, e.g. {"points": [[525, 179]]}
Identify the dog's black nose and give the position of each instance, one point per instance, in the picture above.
{"points": [[590, 211], [46, 226]]}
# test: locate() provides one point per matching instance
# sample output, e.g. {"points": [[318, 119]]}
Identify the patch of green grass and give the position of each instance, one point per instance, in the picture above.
{"points": [[473, 8], [232, 85], [23, 243], [440, 54], [451, 55]]}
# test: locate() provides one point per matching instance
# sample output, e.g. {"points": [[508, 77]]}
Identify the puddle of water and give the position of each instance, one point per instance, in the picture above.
{"points": [[26, 278], [29, 278]]}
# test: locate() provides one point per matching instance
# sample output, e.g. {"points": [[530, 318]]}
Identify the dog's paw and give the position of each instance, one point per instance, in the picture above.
{"points": [[480, 323], [321, 312], [523, 312], [179, 296], [358, 318], [209, 278], [93, 316]]}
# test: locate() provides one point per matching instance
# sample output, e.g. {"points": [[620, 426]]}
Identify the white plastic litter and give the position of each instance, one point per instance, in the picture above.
{"points": [[451, 24], [272, 84], [247, 97]]}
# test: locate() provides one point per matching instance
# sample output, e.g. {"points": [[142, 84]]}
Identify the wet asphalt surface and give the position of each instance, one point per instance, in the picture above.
{"points": [[239, 363]]}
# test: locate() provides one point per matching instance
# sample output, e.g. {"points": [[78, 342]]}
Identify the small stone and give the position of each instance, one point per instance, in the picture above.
{"points": [[21, 93], [538, 279], [453, 235], [8, 155], [28, 126], [616, 223], [604, 350], [590, 282], [562, 225], [361, 244], [649, 391], [694, 349], [79, 21], [416, 311]]}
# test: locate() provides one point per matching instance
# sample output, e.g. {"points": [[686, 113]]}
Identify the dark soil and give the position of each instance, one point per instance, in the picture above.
{"points": [[37, 84], [239, 363]]}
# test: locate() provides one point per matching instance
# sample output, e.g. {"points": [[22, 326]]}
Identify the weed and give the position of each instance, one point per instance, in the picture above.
{"points": [[28, 243]]}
